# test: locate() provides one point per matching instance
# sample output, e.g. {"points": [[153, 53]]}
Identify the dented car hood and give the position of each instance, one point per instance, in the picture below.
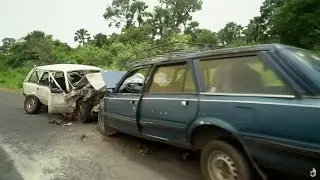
{"points": [[102, 80]]}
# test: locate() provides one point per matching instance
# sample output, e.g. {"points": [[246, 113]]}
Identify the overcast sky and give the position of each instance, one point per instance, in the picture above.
{"points": [[62, 18]]}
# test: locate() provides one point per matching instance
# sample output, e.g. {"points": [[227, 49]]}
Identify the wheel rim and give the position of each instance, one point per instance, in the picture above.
{"points": [[31, 104], [221, 167]]}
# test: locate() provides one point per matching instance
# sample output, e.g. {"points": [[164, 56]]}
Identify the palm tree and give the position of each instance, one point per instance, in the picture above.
{"points": [[82, 36]]}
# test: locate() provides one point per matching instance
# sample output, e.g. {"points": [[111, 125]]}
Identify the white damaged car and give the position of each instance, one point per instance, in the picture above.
{"points": [[67, 88]]}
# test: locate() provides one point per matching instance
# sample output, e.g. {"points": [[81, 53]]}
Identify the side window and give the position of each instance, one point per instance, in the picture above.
{"points": [[134, 81], [172, 79], [59, 77], [34, 77], [243, 75], [44, 79], [189, 83]]}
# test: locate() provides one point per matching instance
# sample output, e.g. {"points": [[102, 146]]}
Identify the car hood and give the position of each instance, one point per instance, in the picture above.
{"points": [[102, 80]]}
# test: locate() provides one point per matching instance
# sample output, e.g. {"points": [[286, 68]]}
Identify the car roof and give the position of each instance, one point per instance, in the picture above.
{"points": [[67, 67], [220, 51]]}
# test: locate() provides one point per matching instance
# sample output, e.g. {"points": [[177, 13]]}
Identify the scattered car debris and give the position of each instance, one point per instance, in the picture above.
{"points": [[67, 124], [55, 121], [83, 136]]}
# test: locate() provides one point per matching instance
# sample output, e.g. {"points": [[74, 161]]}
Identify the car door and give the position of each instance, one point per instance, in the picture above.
{"points": [[169, 103], [121, 107], [56, 100], [42, 91]]}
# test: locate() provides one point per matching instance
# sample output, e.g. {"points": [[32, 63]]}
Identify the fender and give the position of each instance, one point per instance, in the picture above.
{"points": [[30, 94], [210, 121], [204, 121]]}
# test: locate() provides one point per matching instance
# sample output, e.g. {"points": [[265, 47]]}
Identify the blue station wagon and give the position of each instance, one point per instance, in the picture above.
{"points": [[244, 109]]}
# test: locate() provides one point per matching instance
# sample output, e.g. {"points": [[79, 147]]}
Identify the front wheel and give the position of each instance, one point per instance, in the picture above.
{"points": [[32, 105], [104, 129], [221, 161]]}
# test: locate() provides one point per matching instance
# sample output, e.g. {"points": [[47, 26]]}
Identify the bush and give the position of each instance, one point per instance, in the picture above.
{"points": [[13, 78]]}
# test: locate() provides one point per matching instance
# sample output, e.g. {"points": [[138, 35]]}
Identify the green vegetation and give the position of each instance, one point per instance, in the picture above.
{"points": [[293, 22]]}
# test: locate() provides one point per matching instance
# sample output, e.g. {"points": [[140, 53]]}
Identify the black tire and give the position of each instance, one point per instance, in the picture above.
{"points": [[32, 105], [83, 111], [228, 156], [104, 129]]}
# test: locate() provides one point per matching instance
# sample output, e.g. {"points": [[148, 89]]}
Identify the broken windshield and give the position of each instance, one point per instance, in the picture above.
{"points": [[75, 76]]}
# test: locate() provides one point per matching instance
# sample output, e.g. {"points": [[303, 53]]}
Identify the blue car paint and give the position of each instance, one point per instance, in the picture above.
{"points": [[282, 133]]}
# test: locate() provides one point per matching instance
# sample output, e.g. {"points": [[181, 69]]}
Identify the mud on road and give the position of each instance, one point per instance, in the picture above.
{"points": [[32, 149]]}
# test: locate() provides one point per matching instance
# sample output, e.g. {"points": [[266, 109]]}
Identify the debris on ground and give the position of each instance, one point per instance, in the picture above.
{"points": [[67, 124], [83, 136], [144, 149], [55, 121]]}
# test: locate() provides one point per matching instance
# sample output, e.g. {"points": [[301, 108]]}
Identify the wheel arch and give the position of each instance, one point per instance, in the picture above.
{"points": [[33, 95], [213, 128]]}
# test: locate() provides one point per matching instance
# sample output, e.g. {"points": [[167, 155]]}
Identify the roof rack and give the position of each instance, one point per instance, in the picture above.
{"points": [[167, 55]]}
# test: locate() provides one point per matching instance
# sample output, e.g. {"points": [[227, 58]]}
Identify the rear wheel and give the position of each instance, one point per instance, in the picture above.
{"points": [[32, 105], [221, 161], [104, 129], [83, 111]]}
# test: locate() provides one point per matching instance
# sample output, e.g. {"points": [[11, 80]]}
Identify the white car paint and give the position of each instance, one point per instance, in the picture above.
{"points": [[54, 101]]}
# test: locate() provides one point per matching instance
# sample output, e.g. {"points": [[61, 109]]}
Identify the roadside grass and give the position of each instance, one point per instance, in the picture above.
{"points": [[12, 79]]}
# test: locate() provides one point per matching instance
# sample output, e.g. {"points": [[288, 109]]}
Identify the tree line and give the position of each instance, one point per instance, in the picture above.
{"points": [[292, 22]]}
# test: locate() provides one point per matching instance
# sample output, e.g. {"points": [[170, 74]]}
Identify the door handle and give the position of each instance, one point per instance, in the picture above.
{"points": [[37, 88], [132, 102], [184, 103]]}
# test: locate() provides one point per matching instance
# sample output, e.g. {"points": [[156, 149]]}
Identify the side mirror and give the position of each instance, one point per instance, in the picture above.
{"points": [[110, 90], [55, 90], [134, 87]]}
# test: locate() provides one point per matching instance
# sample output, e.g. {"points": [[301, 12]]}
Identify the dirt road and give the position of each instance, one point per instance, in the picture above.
{"points": [[32, 149]]}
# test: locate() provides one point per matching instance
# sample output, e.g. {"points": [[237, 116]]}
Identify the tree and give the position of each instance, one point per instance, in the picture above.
{"points": [[99, 40], [35, 35], [200, 35], [297, 23], [267, 10], [231, 33], [82, 36], [6, 43], [193, 30], [161, 20], [181, 11], [206, 36], [126, 13]]}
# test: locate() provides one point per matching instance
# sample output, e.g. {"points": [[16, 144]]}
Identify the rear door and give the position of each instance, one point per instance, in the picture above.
{"points": [[42, 91], [170, 103], [30, 84], [121, 107]]}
